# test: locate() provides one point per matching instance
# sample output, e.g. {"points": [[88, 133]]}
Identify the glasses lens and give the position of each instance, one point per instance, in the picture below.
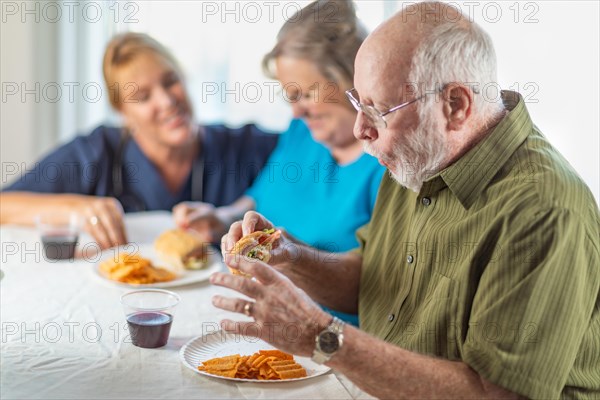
{"points": [[373, 116], [291, 96], [370, 112]]}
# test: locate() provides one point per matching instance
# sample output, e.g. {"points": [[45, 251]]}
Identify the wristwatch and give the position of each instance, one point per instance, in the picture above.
{"points": [[328, 341]]}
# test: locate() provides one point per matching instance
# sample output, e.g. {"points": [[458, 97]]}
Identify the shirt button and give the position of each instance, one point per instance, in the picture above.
{"points": [[391, 317], [409, 259], [426, 201]]}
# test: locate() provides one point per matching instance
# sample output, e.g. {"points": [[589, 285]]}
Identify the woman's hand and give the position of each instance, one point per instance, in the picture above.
{"points": [[103, 215], [104, 220], [283, 314], [203, 218]]}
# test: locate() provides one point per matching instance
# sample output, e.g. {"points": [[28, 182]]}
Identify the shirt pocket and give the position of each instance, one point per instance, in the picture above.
{"points": [[432, 328]]}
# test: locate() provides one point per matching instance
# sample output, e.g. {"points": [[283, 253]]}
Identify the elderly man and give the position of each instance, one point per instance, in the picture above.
{"points": [[479, 273]]}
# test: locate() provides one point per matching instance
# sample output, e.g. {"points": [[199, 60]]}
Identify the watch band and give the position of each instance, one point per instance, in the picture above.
{"points": [[336, 326]]}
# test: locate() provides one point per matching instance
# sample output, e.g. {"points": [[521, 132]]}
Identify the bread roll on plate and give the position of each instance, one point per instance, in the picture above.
{"points": [[181, 250]]}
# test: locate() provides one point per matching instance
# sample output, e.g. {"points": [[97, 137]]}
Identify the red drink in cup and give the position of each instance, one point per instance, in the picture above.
{"points": [[149, 314], [149, 329], [59, 245], [59, 233]]}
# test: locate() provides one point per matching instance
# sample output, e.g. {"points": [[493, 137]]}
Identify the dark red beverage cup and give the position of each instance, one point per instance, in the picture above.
{"points": [[149, 314], [59, 232], [149, 329], [59, 245]]}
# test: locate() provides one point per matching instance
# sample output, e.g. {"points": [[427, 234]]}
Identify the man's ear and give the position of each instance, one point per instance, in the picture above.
{"points": [[458, 105]]}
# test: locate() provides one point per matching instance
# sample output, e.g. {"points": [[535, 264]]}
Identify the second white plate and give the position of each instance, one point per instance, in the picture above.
{"points": [[147, 251], [221, 344]]}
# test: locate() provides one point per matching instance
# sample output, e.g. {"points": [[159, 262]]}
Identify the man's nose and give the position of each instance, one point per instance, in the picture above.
{"points": [[363, 128]]}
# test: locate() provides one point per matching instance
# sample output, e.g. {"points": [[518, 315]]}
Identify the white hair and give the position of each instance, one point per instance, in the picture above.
{"points": [[459, 52], [453, 52]]}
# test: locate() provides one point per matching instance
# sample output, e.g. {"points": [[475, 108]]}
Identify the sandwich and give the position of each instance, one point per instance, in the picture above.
{"points": [[257, 245], [181, 250]]}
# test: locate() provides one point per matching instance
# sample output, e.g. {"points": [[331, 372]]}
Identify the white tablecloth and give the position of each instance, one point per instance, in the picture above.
{"points": [[64, 334]]}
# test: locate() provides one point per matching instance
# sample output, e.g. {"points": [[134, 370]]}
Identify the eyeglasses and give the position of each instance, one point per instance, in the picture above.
{"points": [[297, 96], [374, 115]]}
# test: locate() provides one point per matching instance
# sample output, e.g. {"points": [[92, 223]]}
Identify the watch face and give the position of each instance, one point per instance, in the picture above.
{"points": [[328, 342]]}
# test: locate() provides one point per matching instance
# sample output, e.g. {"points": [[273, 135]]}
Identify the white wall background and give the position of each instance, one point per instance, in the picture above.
{"points": [[548, 50]]}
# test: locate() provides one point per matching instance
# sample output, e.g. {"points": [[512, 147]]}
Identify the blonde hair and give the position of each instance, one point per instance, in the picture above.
{"points": [[326, 33], [125, 48]]}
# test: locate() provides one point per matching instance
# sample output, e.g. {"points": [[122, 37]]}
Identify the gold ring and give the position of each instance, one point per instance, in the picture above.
{"points": [[247, 308], [94, 220]]}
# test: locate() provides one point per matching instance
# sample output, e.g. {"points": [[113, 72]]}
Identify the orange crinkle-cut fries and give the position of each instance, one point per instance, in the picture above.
{"points": [[135, 270], [262, 365]]}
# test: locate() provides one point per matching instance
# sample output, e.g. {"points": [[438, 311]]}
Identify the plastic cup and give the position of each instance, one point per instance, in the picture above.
{"points": [[59, 232], [149, 314]]}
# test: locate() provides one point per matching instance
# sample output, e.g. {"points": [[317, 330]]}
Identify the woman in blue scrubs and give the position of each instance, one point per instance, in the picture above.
{"points": [[160, 158]]}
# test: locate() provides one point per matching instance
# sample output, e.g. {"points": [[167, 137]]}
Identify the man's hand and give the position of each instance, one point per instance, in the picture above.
{"points": [[252, 222], [284, 315], [283, 249]]}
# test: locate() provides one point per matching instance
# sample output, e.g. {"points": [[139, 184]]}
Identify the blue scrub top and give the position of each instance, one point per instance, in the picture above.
{"points": [[229, 161], [304, 190]]}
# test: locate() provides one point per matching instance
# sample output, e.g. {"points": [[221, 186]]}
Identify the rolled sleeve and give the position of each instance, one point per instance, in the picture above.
{"points": [[361, 237]]}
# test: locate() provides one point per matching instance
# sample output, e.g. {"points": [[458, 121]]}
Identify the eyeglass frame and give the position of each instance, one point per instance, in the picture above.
{"points": [[360, 107]]}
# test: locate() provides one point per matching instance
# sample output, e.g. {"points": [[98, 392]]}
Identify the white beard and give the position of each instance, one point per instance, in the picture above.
{"points": [[417, 155]]}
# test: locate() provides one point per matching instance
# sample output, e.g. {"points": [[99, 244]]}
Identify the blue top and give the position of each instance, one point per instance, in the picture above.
{"points": [[302, 189], [227, 164]]}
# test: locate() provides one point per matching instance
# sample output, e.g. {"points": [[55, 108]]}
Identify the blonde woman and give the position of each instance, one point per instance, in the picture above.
{"points": [[158, 159]]}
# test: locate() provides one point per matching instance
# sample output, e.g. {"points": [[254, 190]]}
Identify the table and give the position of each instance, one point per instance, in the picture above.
{"points": [[64, 334]]}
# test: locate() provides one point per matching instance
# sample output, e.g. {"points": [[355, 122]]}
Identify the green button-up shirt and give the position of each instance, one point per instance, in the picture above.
{"points": [[494, 262]]}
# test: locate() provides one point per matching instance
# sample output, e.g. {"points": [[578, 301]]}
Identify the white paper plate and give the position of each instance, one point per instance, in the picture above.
{"points": [[221, 344], [147, 251]]}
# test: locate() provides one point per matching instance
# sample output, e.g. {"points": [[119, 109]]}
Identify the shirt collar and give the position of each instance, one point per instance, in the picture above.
{"points": [[144, 184], [469, 175]]}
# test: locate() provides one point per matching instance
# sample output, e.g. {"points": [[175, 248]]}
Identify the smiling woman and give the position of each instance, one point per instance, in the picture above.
{"points": [[159, 159], [150, 95]]}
